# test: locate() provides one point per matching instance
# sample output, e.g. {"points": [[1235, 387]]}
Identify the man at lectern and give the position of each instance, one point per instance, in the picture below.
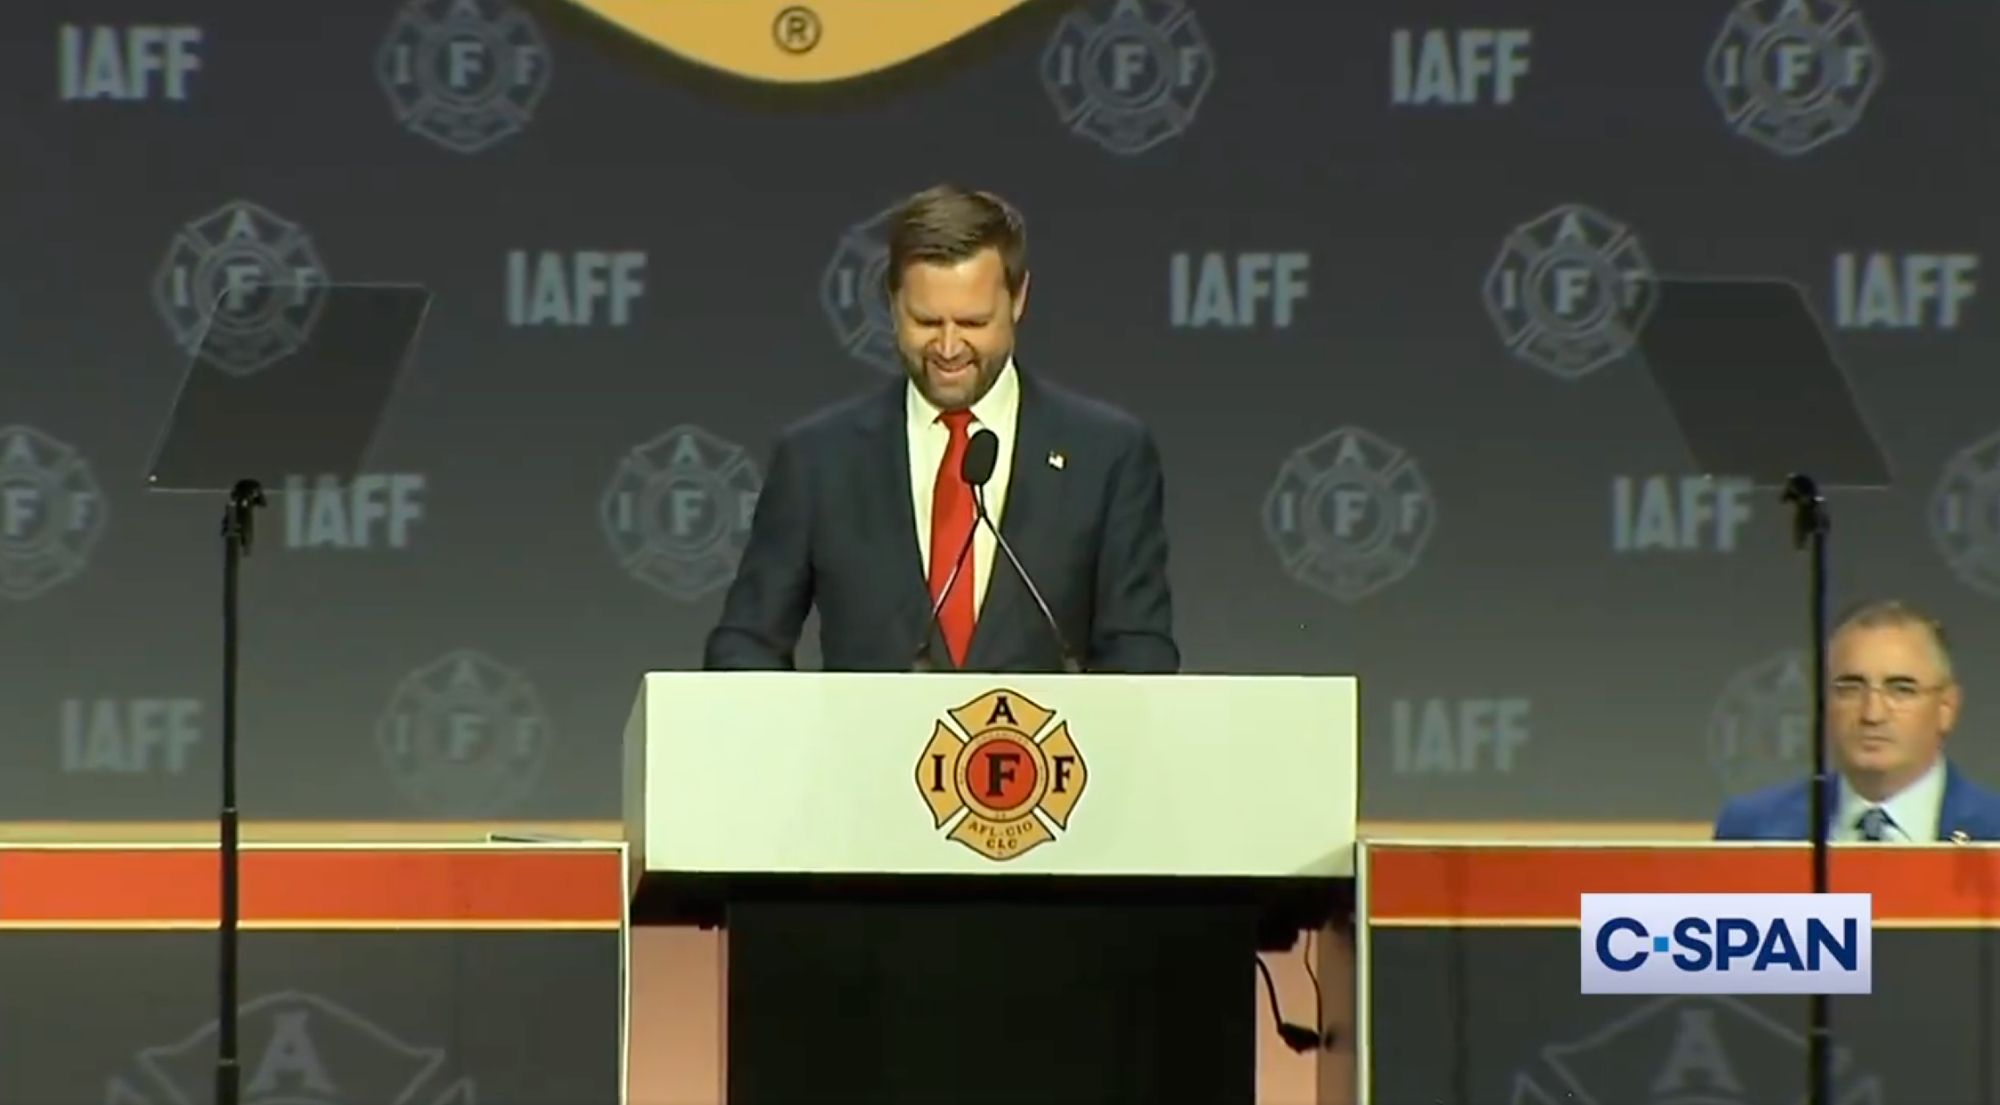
{"points": [[1891, 702], [870, 509]]}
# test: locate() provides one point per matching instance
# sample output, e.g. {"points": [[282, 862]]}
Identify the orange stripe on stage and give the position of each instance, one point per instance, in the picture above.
{"points": [[312, 888], [1537, 886]]}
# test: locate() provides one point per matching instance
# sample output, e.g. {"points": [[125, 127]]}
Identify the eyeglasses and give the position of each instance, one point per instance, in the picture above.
{"points": [[1897, 694]]}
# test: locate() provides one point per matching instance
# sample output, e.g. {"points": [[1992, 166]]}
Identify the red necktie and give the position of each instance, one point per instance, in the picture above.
{"points": [[952, 519]]}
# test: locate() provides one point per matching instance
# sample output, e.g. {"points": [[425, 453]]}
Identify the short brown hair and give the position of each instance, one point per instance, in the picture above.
{"points": [[1895, 612], [947, 224]]}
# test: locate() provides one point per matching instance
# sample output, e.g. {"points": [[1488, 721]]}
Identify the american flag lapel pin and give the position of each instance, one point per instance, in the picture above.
{"points": [[1057, 460]]}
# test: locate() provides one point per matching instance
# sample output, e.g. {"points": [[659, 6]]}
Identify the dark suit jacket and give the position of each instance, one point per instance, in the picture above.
{"points": [[1783, 812], [834, 528]]}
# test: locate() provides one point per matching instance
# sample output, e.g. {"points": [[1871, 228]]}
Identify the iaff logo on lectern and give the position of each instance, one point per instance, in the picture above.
{"points": [[1009, 767]]}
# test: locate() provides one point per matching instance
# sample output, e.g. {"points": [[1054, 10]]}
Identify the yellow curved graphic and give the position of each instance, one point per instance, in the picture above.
{"points": [[800, 43]]}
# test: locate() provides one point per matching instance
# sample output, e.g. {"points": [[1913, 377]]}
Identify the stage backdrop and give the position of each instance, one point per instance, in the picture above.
{"points": [[1373, 271]]}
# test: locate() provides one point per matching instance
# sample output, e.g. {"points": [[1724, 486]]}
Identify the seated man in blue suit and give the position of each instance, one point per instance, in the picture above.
{"points": [[1891, 702]]}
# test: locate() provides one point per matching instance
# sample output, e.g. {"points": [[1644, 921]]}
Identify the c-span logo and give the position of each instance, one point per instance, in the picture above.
{"points": [[1006, 774], [1727, 943]]}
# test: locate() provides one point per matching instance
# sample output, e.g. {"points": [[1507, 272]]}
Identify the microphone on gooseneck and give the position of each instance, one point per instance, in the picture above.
{"points": [[975, 468], [991, 443]]}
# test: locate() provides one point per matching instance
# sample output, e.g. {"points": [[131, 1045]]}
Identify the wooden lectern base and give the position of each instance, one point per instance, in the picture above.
{"points": [[950, 1004]]}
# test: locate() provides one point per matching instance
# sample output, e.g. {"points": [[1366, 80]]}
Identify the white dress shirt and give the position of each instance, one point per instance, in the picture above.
{"points": [[1913, 811], [928, 438]]}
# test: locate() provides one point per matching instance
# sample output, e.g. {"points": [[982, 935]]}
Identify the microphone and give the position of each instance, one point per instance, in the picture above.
{"points": [[975, 468], [991, 444]]}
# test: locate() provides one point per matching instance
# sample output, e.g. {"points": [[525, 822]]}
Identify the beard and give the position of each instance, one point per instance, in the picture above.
{"points": [[959, 382]]}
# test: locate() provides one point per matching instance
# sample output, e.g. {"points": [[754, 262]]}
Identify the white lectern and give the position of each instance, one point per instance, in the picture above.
{"points": [[968, 887]]}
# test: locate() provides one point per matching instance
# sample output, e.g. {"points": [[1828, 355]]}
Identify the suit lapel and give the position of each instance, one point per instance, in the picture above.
{"points": [[1956, 811], [892, 518], [1952, 812], [1033, 494]]}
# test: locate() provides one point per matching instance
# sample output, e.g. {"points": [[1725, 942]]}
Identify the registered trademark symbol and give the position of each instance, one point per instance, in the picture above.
{"points": [[796, 30]]}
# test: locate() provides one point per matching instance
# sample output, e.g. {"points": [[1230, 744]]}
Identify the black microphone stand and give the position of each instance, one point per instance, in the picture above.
{"points": [[1809, 529], [975, 468], [924, 660], [238, 527], [1070, 664]]}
